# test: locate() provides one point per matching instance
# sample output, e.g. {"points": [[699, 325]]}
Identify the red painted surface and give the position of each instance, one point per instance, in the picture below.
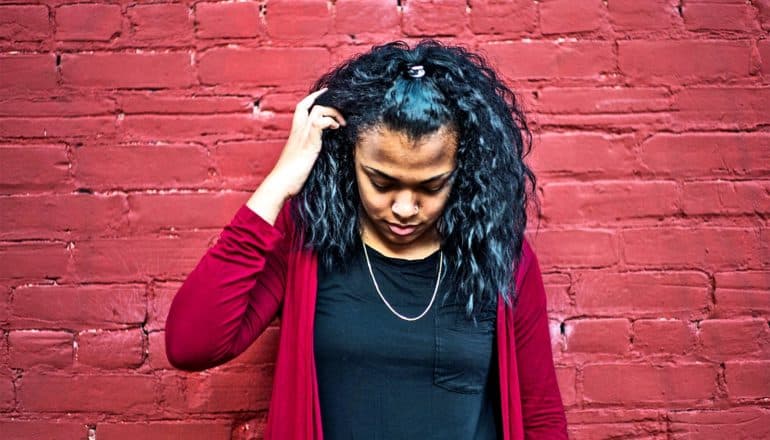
{"points": [[130, 133]]}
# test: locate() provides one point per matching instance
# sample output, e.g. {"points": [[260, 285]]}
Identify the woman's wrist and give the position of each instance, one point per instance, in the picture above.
{"points": [[268, 199]]}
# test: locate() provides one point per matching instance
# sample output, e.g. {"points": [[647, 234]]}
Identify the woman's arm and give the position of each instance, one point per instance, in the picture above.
{"points": [[542, 408], [231, 296]]}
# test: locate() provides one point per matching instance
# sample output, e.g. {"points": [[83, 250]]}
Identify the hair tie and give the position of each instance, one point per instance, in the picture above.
{"points": [[417, 71]]}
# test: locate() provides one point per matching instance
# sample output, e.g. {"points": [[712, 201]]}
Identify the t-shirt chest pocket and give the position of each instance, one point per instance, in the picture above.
{"points": [[463, 350]]}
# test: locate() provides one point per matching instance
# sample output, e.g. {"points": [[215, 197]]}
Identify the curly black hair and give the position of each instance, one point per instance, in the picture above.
{"points": [[483, 222]]}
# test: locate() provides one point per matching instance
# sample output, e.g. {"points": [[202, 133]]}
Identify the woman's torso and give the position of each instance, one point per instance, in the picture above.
{"points": [[381, 377]]}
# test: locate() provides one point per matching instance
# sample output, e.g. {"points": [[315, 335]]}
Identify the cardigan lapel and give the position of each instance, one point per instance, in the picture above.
{"points": [[510, 400]]}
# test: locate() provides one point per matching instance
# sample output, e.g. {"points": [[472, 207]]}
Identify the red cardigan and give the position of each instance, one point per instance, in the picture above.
{"points": [[251, 273]]}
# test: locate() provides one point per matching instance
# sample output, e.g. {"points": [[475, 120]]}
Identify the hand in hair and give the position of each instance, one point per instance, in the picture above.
{"points": [[297, 158], [304, 143]]}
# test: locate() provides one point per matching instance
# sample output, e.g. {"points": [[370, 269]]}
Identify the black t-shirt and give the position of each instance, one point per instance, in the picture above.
{"points": [[381, 377]]}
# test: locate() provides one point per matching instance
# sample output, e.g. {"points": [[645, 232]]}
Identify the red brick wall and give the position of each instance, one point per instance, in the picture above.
{"points": [[131, 131]]}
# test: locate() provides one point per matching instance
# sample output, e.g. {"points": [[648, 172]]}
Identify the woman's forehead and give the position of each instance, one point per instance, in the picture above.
{"points": [[384, 147]]}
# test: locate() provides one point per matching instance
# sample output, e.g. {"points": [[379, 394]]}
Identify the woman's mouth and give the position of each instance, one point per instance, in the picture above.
{"points": [[401, 230]]}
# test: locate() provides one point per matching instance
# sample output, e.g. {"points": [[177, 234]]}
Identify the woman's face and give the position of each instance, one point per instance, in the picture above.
{"points": [[404, 185]]}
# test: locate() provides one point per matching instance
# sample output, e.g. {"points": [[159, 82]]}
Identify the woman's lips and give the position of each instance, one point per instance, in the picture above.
{"points": [[401, 230]]}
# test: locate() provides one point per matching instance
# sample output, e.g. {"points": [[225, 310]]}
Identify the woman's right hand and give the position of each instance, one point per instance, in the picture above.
{"points": [[304, 143]]}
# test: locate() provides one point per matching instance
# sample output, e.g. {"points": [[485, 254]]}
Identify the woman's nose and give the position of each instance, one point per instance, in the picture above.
{"points": [[404, 206]]}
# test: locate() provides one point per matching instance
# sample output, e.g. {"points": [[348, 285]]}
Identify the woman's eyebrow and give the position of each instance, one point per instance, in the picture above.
{"points": [[380, 174]]}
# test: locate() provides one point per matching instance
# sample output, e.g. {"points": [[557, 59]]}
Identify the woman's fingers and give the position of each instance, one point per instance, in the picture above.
{"points": [[308, 100], [322, 111], [303, 108]]}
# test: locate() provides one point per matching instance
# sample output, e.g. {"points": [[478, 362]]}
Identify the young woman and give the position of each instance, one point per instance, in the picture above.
{"points": [[389, 238]]}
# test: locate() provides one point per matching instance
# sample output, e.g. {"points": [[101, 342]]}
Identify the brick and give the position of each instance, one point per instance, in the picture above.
{"points": [[613, 415], [617, 123], [28, 72], [748, 380], [434, 18], [154, 212], [33, 260], [181, 128], [24, 23], [47, 216], [247, 429], [264, 66], [727, 339], [602, 100], [156, 353], [557, 338], [719, 17], [717, 248], [650, 385], [749, 423], [670, 294], [297, 20], [764, 53], [155, 167], [503, 17], [40, 348], [88, 21], [125, 394], [583, 248], [566, 378], [165, 23], [158, 302], [227, 20], [160, 430], [569, 16], [34, 429], [682, 61], [157, 103], [58, 106], [557, 288], [33, 167], [608, 201], [363, 16], [726, 198], [47, 128], [5, 313], [7, 392], [598, 335], [726, 108], [582, 154], [633, 15], [110, 349], [246, 163], [78, 307], [663, 336], [742, 293], [608, 422], [543, 59], [138, 259], [221, 391], [343, 53], [279, 102], [128, 70], [706, 155], [764, 13]]}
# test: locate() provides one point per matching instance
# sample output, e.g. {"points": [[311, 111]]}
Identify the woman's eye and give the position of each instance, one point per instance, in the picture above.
{"points": [[380, 187], [388, 186], [435, 189]]}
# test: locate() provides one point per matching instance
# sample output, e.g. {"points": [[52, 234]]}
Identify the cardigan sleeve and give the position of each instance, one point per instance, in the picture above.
{"points": [[542, 408], [231, 296]]}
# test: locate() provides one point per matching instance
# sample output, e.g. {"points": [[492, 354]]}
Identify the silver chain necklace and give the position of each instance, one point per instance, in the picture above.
{"points": [[377, 287]]}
